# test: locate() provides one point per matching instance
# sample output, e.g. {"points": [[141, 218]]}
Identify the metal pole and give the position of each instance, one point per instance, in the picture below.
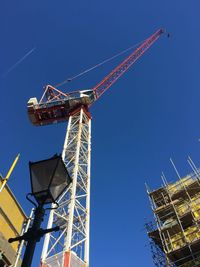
{"points": [[19, 252], [33, 238], [177, 173], [47, 236]]}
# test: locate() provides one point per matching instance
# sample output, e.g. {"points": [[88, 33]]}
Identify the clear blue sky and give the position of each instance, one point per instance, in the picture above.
{"points": [[151, 114]]}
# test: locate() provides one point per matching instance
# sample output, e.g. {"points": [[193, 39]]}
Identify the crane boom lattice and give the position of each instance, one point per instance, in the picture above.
{"points": [[107, 82]]}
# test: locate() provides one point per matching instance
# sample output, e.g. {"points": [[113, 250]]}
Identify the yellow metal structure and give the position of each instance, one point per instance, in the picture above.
{"points": [[12, 218], [180, 185], [176, 207], [9, 173]]}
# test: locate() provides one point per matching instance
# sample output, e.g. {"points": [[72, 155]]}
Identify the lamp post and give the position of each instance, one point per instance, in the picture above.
{"points": [[49, 178]]}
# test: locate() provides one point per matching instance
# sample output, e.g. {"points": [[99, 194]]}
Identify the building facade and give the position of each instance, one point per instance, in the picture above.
{"points": [[12, 219]]}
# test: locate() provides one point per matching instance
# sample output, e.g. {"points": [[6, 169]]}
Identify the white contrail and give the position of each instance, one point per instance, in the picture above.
{"points": [[18, 62]]}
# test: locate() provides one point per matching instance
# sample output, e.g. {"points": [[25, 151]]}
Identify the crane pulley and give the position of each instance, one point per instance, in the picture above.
{"points": [[56, 106]]}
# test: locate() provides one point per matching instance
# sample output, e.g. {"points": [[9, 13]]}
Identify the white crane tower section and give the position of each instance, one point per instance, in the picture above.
{"points": [[71, 246]]}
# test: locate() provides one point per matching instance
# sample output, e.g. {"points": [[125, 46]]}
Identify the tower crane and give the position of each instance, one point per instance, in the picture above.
{"points": [[70, 246]]}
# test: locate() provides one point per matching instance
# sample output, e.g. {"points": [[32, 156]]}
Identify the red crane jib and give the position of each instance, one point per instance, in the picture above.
{"points": [[126, 64], [56, 106]]}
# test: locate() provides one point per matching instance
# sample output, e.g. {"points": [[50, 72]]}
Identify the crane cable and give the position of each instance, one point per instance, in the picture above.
{"points": [[98, 65]]}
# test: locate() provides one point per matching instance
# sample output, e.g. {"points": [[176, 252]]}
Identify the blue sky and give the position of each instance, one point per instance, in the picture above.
{"points": [[148, 116]]}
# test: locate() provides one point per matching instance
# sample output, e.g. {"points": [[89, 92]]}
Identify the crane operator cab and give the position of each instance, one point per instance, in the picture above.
{"points": [[58, 110], [87, 96]]}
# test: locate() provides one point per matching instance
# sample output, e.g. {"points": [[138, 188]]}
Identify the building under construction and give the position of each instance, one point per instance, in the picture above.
{"points": [[175, 233], [13, 221], [12, 218]]}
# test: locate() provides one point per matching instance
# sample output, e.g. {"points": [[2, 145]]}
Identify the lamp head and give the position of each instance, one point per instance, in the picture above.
{"points": [[49, 178]]}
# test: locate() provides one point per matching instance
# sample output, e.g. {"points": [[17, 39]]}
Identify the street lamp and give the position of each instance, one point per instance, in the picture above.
{"points": [[49, 178]]}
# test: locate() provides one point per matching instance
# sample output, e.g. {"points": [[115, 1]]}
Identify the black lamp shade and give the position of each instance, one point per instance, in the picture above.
{"points": [[49, 178]]}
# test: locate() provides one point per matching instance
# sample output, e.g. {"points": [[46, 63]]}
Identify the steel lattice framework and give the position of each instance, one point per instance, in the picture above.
{"points": [[70, 246], [73, 214]]}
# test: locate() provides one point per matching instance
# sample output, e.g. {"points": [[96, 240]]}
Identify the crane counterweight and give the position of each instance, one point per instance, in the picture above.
{"points": [[58, 110]]}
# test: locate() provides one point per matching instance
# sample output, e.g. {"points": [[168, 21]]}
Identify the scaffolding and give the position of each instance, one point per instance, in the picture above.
{"points": [[175, 233]]}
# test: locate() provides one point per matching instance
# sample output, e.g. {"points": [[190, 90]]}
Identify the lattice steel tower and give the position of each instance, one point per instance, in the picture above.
{"points": [[70, 246]]}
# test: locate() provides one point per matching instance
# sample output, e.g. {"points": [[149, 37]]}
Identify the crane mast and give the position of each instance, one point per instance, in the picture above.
{"points": [[70, 246]]}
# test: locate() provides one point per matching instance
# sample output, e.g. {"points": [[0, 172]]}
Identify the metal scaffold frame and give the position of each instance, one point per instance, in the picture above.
{"points": [[176, 209], [73, 213], [158, 256]]}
